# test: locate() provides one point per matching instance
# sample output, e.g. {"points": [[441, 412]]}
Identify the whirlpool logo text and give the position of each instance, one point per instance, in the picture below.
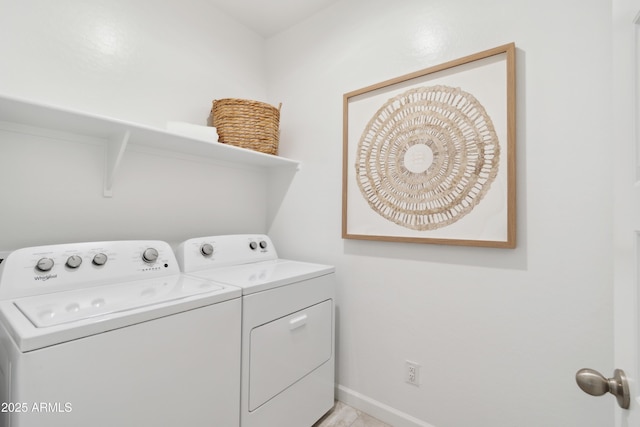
{"points": [[44, 278]]}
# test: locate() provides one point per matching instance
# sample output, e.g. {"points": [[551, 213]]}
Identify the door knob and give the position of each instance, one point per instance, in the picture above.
{"points": [[595, 384]]}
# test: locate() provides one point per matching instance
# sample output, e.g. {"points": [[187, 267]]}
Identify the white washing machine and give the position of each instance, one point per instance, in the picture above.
{"points": [[112, 334], [287, 326]]}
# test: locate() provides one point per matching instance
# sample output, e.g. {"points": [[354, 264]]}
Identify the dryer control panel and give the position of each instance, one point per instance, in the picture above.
{"points": [[53, 268], [221, 251]]}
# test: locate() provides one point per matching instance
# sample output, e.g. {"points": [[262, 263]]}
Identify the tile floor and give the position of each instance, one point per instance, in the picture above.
{"points": [[345, 416]]}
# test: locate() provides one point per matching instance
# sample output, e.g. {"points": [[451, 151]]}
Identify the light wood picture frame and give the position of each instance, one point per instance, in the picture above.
{"points": [[429, 157]]}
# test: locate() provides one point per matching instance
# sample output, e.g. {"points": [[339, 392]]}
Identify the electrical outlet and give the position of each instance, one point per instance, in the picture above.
{"points": [[412, 373]]}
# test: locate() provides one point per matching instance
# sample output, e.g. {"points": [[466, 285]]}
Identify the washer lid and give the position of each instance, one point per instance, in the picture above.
{"points": [[260, 276], [64, 307], [44, 320]]}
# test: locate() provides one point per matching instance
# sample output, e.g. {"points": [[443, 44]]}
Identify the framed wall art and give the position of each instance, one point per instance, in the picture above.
{"points": [[429, 157]]}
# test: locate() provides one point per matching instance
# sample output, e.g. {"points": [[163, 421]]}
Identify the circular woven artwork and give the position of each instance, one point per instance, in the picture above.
{"points": [[427, 157]]}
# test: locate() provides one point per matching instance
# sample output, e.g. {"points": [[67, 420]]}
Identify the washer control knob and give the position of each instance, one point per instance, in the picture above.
{"points": [[100, 259], [44, 264], [206, 249], [263, 244], [74, 261], [253, 246], [150, 255]]}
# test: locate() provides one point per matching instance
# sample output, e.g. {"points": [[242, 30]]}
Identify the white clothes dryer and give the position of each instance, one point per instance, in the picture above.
{"points": [[112, 334], [287, 326]]}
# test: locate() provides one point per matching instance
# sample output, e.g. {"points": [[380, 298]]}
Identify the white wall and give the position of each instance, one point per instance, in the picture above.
{"points": [[141, 61], [144, 61], [499, 333]]}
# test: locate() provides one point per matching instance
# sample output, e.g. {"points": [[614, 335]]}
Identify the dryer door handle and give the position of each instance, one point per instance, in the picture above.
{"points": [[297, 322]]}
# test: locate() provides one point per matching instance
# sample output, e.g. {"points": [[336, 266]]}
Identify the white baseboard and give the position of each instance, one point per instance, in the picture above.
{"points": [[376, 409]]}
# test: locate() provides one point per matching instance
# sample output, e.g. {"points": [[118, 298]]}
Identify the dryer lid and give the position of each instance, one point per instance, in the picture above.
{"points": [[260, 276]]}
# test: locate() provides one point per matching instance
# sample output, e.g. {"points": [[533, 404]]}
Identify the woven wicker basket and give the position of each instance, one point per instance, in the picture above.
{"points": [[247, 124]]}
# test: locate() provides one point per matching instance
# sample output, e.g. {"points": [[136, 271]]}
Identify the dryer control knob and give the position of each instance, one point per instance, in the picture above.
{"points": [[263, 244], [100, 259], [150, 255], [74, 261], [206, 249], [253, 246], [44, 264]]}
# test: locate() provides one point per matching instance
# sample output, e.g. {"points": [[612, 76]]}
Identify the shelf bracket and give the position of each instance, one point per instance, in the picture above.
{"points": [[116, 146]]}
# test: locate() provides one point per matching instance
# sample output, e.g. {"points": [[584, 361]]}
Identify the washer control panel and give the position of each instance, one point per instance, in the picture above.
{"points": [[220, 251], [52, 268]]}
